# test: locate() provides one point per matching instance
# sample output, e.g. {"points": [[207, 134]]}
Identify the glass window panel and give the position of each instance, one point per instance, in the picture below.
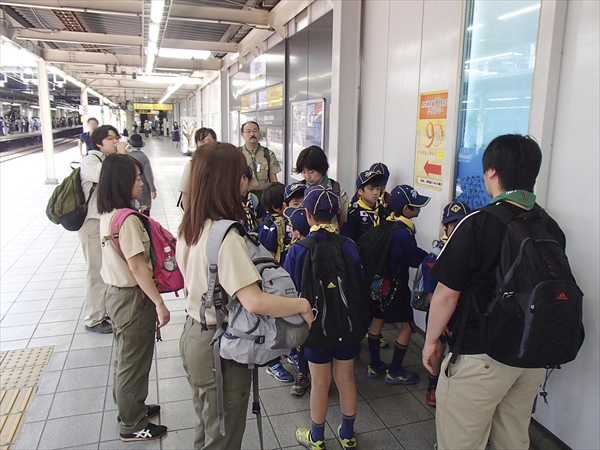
{"points": [[499, 57]]}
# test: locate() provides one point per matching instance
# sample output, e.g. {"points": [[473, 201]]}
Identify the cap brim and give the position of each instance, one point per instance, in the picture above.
{"points": [[453, 218], [420, 201]]}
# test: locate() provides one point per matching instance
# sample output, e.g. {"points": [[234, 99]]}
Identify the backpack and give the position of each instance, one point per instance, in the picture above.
{"points": [[535, 317], [166, 274], [419, 299], [280, 227], [248, 339], [373, 247], [67, 205], [331, 285]]}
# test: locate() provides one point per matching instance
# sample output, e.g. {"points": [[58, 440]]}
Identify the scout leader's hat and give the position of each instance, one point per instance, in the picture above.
{"points": [[291, 189], [297, 217], [369, 175], [454, 211], [136, 141], [406, 195], [321, 201]]}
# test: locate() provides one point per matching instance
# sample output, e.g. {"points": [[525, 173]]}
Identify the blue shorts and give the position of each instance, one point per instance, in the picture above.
{"points": [[325, 355]]}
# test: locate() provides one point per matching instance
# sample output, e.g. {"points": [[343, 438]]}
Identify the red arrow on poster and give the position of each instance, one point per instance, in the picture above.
{"points": [[434, 169]]}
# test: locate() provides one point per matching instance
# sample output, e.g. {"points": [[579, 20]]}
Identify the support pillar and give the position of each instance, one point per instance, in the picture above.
{"points": [[101, 103], [345, 91], [199, 109], [224, 78], [46, 120], [129, 113], [84, 108]]}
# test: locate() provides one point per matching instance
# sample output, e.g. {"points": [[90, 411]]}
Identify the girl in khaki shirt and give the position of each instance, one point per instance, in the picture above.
{"points": [[132, 301], [214, 191]]}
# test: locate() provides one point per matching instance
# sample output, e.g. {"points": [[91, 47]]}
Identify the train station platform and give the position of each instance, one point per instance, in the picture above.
{"points": [[42, 287]]}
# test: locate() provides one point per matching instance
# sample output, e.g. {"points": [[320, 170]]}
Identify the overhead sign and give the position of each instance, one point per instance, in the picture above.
{"points": [[431, 140], [154, 106]]}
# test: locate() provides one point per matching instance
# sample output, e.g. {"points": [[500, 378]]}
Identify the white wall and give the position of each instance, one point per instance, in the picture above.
{"points": [[211, 107], [574, 399], [415, 46]]}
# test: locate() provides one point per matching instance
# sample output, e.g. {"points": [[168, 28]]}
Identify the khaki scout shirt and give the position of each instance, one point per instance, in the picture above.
{"points": [[261, 171]]}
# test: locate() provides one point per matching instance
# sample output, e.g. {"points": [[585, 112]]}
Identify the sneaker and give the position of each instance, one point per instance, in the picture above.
{"points": [[150, 432], [304, 438], [430, 397], [279, 373], [103, 327], [294, 360], [403, 376], [300, 385], [383, 343], [346, 443], [153, 410], [374, 372]]}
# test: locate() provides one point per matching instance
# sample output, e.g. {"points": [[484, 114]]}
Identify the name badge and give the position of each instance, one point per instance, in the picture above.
{"points": [[258, 167]]}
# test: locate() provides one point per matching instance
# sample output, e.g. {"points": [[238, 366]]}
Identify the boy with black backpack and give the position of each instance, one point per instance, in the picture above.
{"points": [[519, 308], [326, 268], [387, 252], [366, 212]]}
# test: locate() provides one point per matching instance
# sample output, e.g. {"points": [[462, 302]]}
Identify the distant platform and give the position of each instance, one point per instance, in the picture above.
{"points": [[16, 141]]}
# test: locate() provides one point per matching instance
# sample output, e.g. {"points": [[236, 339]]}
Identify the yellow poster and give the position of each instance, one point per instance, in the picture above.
{"points": [[431, 141], [275, 97], [245, 103]]}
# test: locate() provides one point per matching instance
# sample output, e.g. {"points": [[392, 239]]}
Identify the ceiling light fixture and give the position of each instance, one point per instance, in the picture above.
{"points": [[156, 11], [170, 92]]}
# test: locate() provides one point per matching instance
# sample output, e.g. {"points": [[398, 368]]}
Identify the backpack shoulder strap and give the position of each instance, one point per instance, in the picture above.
{"points": [[268, 158], [116, 223], [501, 213]]}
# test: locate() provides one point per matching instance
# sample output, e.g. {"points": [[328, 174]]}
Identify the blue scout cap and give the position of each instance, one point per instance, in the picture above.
{"points": [[321, 201], [382, 169], [406, 195], [297, 217], [291, 189], [454, 211], [368, 175], [248, 173]]}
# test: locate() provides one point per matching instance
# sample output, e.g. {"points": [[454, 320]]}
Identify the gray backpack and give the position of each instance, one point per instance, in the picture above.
{"points": [[248, 339], [419, 299]]}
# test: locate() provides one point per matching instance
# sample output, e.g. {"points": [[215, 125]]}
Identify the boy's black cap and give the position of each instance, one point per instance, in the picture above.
{"points": [[368, 176]]}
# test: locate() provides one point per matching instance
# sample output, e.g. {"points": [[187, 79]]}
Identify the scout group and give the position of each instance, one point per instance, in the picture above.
{"points": [[349, 260]]}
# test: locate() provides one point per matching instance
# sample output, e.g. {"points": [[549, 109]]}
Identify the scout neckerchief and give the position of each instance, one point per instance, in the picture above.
{"points": [[374, 213], [324, 182], [519, 196], [329, 227], [406, 221], [253, 156], [250, 214]]}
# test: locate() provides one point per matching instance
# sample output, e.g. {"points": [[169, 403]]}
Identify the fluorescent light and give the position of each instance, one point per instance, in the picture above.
{"points": [[519, 12], [180, 53], [475, 26], [234, 56], [502, 99], [487, 58], [157, 79], [149, 63], [151, 48], [156, 12], [153, 32], [170, 92]]}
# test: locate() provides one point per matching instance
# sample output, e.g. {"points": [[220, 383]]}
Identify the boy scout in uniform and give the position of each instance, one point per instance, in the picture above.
{"points": [[262, 161]]}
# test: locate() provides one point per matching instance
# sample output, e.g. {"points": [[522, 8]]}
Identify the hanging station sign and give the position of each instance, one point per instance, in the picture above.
{"points": [[153, 106]]}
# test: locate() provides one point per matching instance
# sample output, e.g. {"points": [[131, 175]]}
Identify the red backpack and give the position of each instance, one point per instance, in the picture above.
{"points": [[167, 279]]}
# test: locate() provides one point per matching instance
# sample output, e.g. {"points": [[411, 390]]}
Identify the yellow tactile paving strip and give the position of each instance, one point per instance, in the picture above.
{"points": [[20, 374]]}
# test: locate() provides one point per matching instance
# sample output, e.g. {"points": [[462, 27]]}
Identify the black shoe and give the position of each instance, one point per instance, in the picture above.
{"points": [[103, 327], [150, 432], [153, 410]]}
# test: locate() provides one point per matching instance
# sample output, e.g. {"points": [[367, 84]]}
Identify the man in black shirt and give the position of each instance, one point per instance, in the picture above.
{"points": [[479, 398]]}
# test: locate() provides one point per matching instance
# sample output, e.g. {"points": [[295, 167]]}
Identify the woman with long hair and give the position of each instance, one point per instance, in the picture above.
{"points": [[214, 191], [132, 300]]}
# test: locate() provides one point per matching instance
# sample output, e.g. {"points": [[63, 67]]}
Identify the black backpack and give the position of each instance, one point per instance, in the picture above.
{"points": [[535, 317], [331, 285]]}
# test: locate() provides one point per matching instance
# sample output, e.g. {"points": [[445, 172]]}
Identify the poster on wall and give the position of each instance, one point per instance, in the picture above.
{"points": [[188, 128], [234, 128], [275, 143], [253, 103], [431, 141], [258, 73], [307, 127], [262, 99], [275, 97]]}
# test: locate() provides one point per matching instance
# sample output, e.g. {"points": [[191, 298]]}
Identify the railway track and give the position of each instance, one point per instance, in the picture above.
{"points": [[60, 145]]}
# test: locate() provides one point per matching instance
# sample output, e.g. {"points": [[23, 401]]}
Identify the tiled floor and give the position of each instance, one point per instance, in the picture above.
{"points": [[42, 282]]}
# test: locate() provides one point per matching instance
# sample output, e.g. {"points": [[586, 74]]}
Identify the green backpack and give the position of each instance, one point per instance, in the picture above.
{"points": [[67, 205]]}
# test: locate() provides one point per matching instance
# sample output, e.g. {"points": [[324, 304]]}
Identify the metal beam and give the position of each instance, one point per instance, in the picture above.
{"points": [[218, 15], [77, 37], [219, 47], [60, 56], [122, 7]]}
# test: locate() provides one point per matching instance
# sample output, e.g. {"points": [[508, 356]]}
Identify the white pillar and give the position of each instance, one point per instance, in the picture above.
{"points": [[101, 103], [46, 118], [345, 91], [224, 79], [199, 109], [84, 108]]}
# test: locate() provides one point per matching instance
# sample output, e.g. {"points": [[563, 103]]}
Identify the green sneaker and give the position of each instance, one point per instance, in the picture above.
{"points": [[346, 443], [383, 342], [304, 438]]}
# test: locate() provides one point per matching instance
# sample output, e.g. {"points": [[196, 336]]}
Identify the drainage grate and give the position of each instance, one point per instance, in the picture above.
{"points": [[20, 374]]}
